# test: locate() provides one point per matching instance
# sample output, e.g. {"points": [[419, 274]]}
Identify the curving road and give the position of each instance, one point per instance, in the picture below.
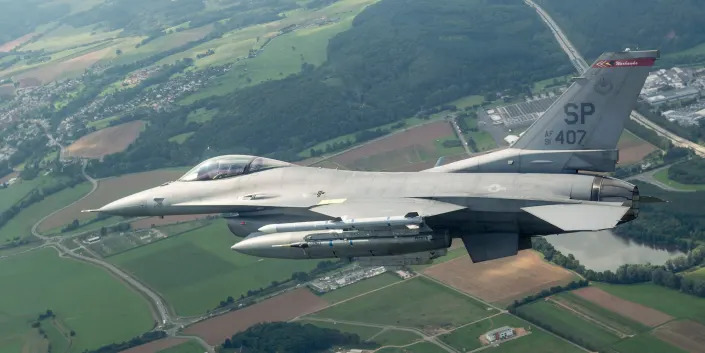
{"points": [[159, 308], [581, 65]]}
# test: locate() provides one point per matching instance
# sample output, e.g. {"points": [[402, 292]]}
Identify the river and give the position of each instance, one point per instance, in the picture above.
{"points": [[603, 250]]}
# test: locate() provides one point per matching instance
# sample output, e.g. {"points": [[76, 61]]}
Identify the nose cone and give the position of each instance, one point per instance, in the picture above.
{"points": [[130, 206], [276, 245]]}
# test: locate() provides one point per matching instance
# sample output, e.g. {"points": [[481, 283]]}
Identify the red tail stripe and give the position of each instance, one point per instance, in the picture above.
{"points": [[602, 64]]}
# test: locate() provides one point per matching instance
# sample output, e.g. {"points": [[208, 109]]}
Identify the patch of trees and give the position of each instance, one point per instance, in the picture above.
{"points": [[679, 223], [21, 17], [647, 134], [291, 337], [134, 342], [668, 275], [605, 25], [691, 171], [399, 58]]}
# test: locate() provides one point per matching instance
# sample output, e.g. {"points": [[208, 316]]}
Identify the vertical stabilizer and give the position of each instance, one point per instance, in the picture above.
{"points": [[580, 130], [591, 114]]}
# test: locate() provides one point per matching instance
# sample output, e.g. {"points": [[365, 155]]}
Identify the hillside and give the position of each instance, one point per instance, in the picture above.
{"points": [[603, 25], [398, 58]]}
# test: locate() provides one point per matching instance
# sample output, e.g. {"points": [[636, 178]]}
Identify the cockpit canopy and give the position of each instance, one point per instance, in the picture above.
{"points": [[230, 166]]}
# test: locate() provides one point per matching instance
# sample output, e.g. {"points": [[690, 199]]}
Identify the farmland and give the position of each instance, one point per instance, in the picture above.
{"points": [[563, 321], [633, 149], [110, 190], [280, 308], [636, 312], [84, 299], [466, 338], [21, 224], [22, 188], [668, 301], [645, 344], [361, 287], [412, 149], [686, 334], [196, 270], [421, 347], [502, 280], [157, 346], [106, 141], [417, 302]]}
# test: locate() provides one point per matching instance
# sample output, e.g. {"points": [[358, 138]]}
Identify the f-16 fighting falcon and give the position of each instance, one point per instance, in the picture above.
{"points": [[547, 182]]}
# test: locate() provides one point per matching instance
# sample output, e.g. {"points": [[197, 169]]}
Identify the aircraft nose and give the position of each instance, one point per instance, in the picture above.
{"points": [[133, 205]]}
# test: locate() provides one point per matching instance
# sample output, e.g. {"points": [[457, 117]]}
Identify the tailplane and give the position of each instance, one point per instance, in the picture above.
{"points": [[580, 130]]}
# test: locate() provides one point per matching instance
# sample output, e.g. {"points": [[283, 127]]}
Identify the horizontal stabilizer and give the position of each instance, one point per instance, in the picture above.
{"points": [[579, 217], [483, 247]]}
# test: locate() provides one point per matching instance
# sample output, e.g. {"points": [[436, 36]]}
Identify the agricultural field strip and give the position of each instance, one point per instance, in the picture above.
{"points": [[505, 312], [326, 158], [585, 316]]}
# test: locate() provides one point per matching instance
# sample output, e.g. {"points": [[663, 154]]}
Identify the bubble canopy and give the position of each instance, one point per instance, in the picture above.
{"points": [[230, 166]]}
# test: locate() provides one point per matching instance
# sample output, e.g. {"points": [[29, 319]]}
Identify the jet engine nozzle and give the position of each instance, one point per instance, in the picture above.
{"points": [[607, 189]]}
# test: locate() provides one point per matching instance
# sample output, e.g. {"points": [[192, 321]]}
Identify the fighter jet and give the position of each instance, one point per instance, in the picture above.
{"points": [[550, 181]]}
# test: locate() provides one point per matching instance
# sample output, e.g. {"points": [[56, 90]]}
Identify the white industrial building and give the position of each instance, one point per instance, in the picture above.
{"points": [[499, 334]]}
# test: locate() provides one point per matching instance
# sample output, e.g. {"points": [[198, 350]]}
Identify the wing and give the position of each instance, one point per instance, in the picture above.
{"points": [[579, 217], [368, 208]]}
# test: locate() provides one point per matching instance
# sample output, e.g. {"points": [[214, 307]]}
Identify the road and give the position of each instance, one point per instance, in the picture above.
{"points": [[160, 311], [430, 338], [454, 123], [581, 65]]}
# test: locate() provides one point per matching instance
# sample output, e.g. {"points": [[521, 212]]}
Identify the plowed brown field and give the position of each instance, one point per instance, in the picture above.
{"points": [[106, 141], [637, 312], [502, 280], [685, 334], [280, 308]]}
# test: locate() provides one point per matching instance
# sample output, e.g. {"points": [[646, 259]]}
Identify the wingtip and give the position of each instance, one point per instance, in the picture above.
{"points": [[90, 211]]}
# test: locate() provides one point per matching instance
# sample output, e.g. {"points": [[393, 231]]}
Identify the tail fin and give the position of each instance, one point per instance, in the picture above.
{"points": [[580, 130], [591, 114]]}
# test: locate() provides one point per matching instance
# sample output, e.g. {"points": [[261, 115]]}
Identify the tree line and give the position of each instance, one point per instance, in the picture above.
{"points": [[291, 337], [669, 275]]}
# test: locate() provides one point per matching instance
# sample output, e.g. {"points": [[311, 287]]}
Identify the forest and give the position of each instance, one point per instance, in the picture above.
{"points": [[604, 25], [288, 337], [399, 58], [691, 171]]}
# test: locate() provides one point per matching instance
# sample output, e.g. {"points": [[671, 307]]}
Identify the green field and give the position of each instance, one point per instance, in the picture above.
{"points": [[467, 338], [102, 123], [567, 323], [669, 301], [468, 101], [186, 347], [196, 270], [645, 343], [610, 318], [421, 347], [483, 140], [699, 273], [21, 224], [66, 37], [537, 341], [279, 58], [201, 115], [360, 287], [418, 302], [181, 138], [86, 299], [15, 192], [365, 332], [396, 338], [662, 176]]}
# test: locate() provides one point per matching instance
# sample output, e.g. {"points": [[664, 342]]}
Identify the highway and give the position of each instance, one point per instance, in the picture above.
{"points": [[581, 65]]}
